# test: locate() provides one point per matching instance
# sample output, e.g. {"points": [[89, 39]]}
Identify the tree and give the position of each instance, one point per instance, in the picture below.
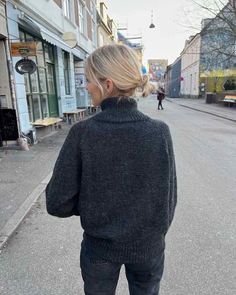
{"points": [[218, 28], [220, 34]]}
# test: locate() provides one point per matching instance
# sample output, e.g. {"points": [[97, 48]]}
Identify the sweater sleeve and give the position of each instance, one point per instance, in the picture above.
{"points": [[172, 191], [62, 191]]}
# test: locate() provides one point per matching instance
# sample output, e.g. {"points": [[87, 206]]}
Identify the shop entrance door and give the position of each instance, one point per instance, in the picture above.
{"points": [[52, 96]]}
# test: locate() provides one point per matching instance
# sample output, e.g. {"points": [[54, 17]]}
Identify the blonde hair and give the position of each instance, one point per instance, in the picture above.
{"points": [[120, 64]]}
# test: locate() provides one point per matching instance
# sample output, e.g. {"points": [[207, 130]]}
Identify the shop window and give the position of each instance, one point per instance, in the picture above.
{"points": [[230, 84], [66, 61], [40, 86]]}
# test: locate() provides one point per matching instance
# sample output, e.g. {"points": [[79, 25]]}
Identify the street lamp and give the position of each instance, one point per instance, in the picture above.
{"points": [[152, 26]]}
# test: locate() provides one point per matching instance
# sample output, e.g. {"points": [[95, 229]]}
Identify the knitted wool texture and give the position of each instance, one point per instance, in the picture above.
{"points": [[117, 171]]}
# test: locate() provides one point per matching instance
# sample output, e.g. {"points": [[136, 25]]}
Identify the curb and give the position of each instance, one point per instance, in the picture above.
{"points": [[202, 111], [16, 219], [210, 113]]}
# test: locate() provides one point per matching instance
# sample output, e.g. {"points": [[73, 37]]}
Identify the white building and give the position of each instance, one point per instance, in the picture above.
{"points": [[190, 67], [65, 33]]}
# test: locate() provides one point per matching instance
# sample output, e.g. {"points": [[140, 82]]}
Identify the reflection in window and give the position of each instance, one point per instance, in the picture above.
{"points": [[40, 57], [44, 103], [27, 84], [42, 80], [34, 82], [50, 78], [48, 50], [29, 104], [36, 106]]}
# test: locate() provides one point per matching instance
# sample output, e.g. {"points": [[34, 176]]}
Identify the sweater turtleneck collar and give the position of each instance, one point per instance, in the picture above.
{"points": [[119, 110], [120, 103]]}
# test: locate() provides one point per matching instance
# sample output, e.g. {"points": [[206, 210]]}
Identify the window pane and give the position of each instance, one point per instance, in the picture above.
{"points": [[29, 104], [34, 82], [27, 85], [42, 80], [22, 36], [48, 53], [50, 78], [66, 61], [36, 106], [39, 52], [44, 103], [67, 9], [81, 17], [28, 37]]}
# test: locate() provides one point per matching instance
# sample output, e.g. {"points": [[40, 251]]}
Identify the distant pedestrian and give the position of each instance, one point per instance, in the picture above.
{"points": [[160, 97], [117, 171]]}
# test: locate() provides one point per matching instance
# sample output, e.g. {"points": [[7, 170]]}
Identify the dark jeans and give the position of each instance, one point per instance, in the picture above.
{"points": [[101, 276], [160, 104]]}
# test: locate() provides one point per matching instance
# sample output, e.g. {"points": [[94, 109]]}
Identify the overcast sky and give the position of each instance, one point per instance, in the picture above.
{"points": [[167, 39]]}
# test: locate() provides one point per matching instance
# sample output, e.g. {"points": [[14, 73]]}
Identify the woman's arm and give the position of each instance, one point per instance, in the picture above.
{"points": [[62, 192]]}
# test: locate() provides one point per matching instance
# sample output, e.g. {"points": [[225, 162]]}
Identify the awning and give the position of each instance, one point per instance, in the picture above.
{"points": [[51, 37]]}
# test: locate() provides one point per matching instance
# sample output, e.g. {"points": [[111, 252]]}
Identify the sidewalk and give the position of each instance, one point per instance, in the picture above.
{"points": [[23, 177], [215, 109]]}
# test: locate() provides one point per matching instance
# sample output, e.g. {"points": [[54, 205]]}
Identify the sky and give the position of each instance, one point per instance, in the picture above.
{"points": [[171, 18]]}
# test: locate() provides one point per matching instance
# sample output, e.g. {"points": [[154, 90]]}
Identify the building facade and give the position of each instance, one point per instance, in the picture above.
{"points": [[218, 55], [64, 33], [106, 26], [190, 67], [173, 79]]}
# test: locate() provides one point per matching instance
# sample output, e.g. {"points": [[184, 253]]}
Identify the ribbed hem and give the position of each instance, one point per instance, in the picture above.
{"points": [[125, 253]]}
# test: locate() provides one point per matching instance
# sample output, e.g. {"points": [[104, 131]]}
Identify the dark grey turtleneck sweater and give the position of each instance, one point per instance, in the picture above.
{"points": [[117, 171]]}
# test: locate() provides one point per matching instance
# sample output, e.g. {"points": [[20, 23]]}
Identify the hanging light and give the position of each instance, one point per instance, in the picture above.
{"points": [[152, 26]]}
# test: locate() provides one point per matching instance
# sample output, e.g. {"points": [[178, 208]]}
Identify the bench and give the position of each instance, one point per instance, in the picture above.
{"points": [[47, 122], [92, 109], [229, 99], [77, 114]]}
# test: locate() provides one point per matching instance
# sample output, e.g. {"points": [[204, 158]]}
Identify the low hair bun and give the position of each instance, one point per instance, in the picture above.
{"points": [[146, 86], [144, 80]]}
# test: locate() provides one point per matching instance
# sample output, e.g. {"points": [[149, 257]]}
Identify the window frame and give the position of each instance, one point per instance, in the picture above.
{"points": [[67, 9], [82, 17]]}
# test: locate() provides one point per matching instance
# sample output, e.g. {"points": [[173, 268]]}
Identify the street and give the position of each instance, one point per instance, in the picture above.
{"points": [[42, 258]]}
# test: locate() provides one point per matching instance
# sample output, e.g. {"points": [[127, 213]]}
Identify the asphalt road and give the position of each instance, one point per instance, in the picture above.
{"points": [[43, 256]]}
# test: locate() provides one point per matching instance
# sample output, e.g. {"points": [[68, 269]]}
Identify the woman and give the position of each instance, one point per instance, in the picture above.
{"points": [[160, 97], [117, 171]]}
